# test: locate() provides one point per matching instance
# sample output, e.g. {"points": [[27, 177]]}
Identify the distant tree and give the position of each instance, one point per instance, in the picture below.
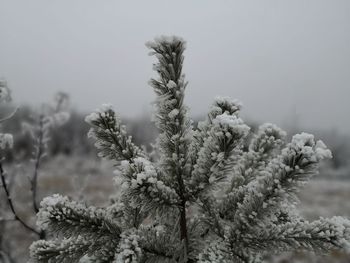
{"points": [[206, 199]]}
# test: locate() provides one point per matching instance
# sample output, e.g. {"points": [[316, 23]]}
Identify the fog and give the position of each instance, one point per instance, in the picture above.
{"points": [[287, 61]]}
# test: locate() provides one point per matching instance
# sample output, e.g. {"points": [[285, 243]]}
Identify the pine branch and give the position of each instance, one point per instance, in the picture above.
{"points": [[171, 117], [144, 187], [110, 136], [220, 106], [72, 250], [60, 215], [129, 249], [320, 236], [296, 164], [219, 251], [122, 211], [211, 215], [215, 157], [263, 147], [160, 242], [267, 141]]}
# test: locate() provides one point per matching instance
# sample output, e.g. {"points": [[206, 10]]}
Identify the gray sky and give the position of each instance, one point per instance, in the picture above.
{"points": [[280, 58]]}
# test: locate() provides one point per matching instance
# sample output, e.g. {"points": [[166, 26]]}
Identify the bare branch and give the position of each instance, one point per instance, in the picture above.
{"points": [[10, 203]]}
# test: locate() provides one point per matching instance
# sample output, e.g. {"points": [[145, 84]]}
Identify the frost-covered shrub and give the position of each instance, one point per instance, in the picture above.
{"points": [[52, 116], [6, 143], [206, 199]]}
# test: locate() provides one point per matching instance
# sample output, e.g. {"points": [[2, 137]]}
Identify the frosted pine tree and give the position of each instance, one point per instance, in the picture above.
{"points": [[217, 193]]}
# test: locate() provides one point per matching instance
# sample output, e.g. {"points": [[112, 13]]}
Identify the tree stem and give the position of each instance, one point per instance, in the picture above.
{"points": [[183, 219], [183, 225]]}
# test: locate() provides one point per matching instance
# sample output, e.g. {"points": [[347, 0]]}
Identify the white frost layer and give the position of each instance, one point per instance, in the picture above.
{"points": [[94, 116], [6, 141], [231, 122]]}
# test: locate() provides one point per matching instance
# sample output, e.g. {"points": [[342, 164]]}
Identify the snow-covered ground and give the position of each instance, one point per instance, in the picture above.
{"points": [[325, 198]]}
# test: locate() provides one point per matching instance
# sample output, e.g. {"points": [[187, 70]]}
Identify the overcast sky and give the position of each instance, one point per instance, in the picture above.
{"points": [[282, 59]]}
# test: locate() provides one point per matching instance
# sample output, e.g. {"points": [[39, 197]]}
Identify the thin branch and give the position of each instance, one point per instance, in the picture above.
{"points": [[34, 180], [10, 203], [9, 116]]}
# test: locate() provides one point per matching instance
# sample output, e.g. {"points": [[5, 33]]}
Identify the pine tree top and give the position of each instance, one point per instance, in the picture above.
{"points": [[215, 193]]}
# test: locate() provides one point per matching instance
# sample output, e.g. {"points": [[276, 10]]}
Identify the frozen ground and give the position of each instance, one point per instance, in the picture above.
{"points": [[325, 198], [92, 181]]}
